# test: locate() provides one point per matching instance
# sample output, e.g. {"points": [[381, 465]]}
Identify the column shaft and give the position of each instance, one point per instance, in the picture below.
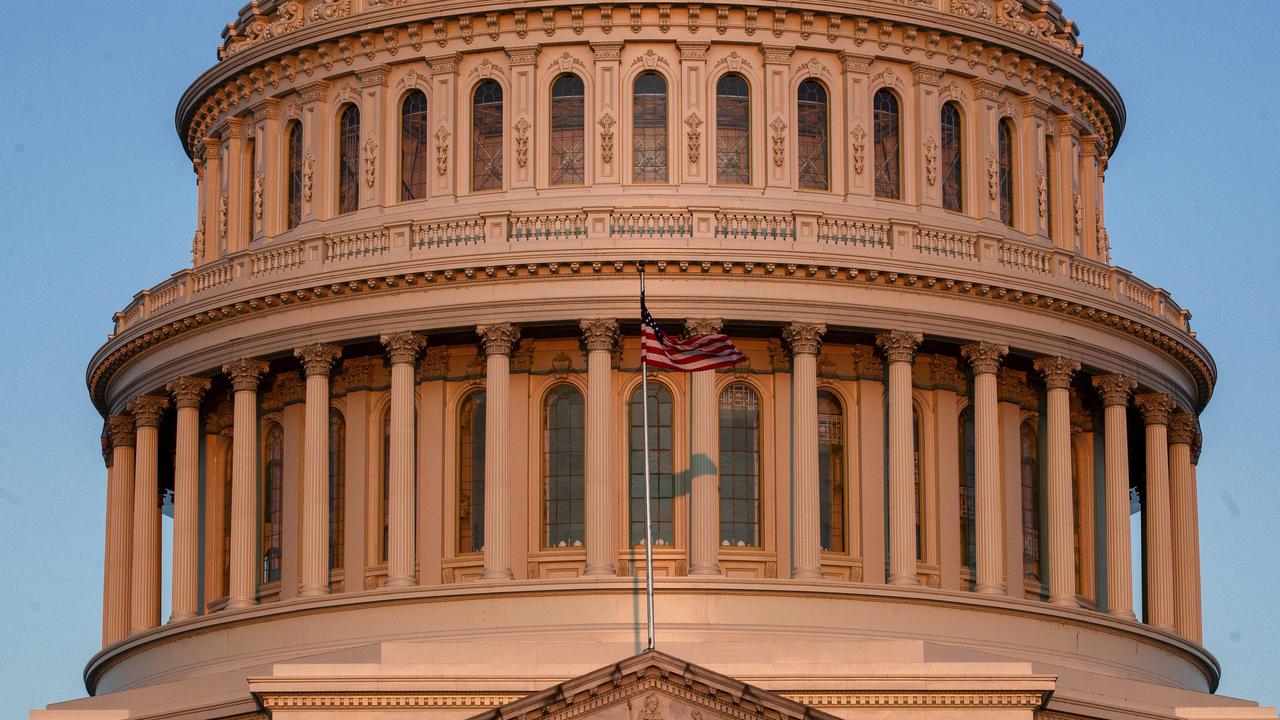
{"points": [[1156, 512], [804, 467], [144, 593], [1115, 390], [400, 550], [186, 515], [499, 340], [1184, 530], [1062, 575], [117, 556], [704, 501], [899, 349], [245, 374], [315, 488], [600, 336], [985, 359]]}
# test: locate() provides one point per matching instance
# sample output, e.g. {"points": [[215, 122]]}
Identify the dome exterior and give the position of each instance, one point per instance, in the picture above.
{"points": [[396, 402]]}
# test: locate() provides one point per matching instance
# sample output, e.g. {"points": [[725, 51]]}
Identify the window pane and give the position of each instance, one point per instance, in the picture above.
{"points": [[471, 473], [733, 131], [272, 503], [661, 465], [968, 481], [563, 423], [831, 473], [349, 160], [649, 145], [739, 466], [226, 521], [294, 191], [1006, 171], [337, 487], [384, 502], [918, 443], [952, 159], [811, 131], [568, 131], [888, 154], [486, 137], [413, 146], [1030, 501]]}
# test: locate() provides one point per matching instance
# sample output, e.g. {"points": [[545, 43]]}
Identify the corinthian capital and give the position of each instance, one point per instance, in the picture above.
{"points": [[1155, 408], [1182, 428], [694, 327], [120, 429], [498, 338], [1114, 389], [146, 409], [1197, 443], [404, 347], [984, 357], [1057, 371], [245, 373], [188, 391], [899, 345], [599, 334], [318, 359], [805, 338]]}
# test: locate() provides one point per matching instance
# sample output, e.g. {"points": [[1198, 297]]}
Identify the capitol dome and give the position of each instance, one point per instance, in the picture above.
{"points": [[395, 406]]}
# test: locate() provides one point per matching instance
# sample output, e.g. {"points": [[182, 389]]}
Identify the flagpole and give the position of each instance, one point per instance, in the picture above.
{"points": [[648, 515]]}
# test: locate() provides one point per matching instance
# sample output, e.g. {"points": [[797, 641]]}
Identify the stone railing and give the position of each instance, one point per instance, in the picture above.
{"points": [[889, 245]]}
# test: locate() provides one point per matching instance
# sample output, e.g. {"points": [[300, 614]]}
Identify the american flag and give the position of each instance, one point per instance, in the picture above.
{"points": [[704, 352]]}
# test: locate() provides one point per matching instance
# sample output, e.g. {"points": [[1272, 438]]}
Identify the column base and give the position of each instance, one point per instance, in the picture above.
{"points": [[497, 574], [605, 570], [1064, 601], [1123, 615], [181, 617], [990, 590], [712, 569], [396, 582], [907, 580], [807, 575], [240, 604], [313, 590]]}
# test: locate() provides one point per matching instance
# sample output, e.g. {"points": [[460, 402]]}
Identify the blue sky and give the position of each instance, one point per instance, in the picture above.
{"points": [[97, 201]]}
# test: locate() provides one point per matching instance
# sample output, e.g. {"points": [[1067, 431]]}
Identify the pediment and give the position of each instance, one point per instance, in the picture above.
{"points": [[653, 686]]}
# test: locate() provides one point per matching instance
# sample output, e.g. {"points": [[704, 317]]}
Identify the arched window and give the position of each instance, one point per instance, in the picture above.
{"points": [[226, 521], [349, 160], [952, 159], [486, 136], [562, 467], [337, 487], [918, 448], [661, 465], [1050, 162], [384, 483], [471, 473], [968, 481], [1028, 441], [814, 147], [740, 466], [888, 153], [293, 193], [413, 146], [1005, 177], [649, 129], [272, 502], [831, 472], [568, 131], [733, 130]]}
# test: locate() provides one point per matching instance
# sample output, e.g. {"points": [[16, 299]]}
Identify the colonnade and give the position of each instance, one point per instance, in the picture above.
{"points": [[132, 554]]}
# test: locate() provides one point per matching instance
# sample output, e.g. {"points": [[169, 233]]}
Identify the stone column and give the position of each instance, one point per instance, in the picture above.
{"points": [[377, 174], [235, 220], [1184, 532], [1115, 391], [444, 133], [925, 187], [1057, 372], [805, 339], [704, 459], [403, 350], [521, 103], [498, 339], [1032, 201], [268, 189], [778, 104], [859, 170], [317, 362], [899, 349], [600, 337], [1155, 409], [209, 242], [187, 393], [117, 555], [144, 593], [603, 128], [693, 114], [245, 374], [981, 173], [985, 359]]}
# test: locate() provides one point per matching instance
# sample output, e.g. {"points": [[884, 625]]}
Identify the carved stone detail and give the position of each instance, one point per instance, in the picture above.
{"points": [[993, 176], [498, 338], [984, 357], [403, 347], [779, 130], [188, 391], [606, 123], [1042, 192], [358, 372], [931, 160], [693, 126], [308, 176], [318, 359], [442, 150], [147, 409], [858, 138], [435, 364], [1182, 428], [522, 356], [1114, 389], [1057, 371], [804, 337], [899, 345], [1155, 408], [866, 363], [259, 179], [779, 359], [521, 140], [370, 162], [121, 430], [245, 373], [694, 327], [599, 334]]}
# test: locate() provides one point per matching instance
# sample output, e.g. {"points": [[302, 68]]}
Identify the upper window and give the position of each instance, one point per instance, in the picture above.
{"points": [[740, 466], [486, 136], [952, 159], [1005, 177], [272, 503], [337, 487], [562, 467], [349, 160], [384, 482], [1030, 450], [568, 131], [293, 193], [733, 131], [968, 481], [918, 444], [888, 152], [812, 134], [413, 146], [226, 521], [471, 473], [661, 465], [649, 129], [831, 471]]}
